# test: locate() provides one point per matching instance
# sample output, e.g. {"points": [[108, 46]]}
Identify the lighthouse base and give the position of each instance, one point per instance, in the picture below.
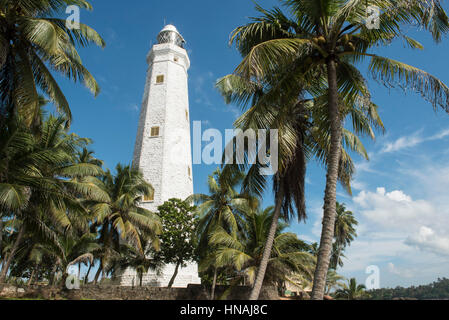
{"points": [[186, 276]]}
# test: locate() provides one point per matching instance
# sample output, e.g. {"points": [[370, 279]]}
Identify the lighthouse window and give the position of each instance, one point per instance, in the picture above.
{"points": [[160, 79], [176, 59], [187, 115], [148, 198], [155, 132], [190, 172]]}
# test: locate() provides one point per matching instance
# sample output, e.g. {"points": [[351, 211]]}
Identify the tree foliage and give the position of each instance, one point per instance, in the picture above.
{"points": [[317, 48], [179, 223], [352, 291], [435, 291], [34, 45], [178, 242]]}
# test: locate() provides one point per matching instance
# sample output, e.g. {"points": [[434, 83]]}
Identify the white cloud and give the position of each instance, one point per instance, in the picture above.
{"points": [[307, 238], [393, 210], [402, 272], [402, 143], [365, 166], [402, 206], [427, 240], [366, 251], [443, 134], [404, 236], [412, 141], [201, 87], [358, 185]]}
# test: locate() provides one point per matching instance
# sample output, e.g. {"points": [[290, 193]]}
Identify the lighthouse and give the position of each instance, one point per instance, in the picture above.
{"points": [[163, 148]]}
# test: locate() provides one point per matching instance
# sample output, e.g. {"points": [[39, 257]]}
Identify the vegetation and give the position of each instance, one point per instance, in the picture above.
{"points": [[178, 242], [317, 50], [243, 250], [58, 211], [120, 218], [344, 234], [334, 281], [434, 291], [303, 126], [220, 208], [33, 43], [299, 74], [41, 185], [351, 291]]}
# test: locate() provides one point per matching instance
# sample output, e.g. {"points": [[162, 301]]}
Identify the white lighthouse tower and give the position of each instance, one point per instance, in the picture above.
{"points": [[163, 149]]}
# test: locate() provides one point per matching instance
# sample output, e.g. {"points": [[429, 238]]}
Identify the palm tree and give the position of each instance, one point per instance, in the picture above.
{"points": [[67, 251], [303, 134], [351, 291], [7, 239], [1, 237], [323, 43], [87, 156], [333, 281], [31, 44], [244, 251], [130, 257], [221, 207], [344, 234], [38, 186], [207, 263], [121, 218]]}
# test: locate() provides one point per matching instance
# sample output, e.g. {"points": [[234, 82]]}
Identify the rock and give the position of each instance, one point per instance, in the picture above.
{"points": [[304, 295], [8, 291], [269, 293]]}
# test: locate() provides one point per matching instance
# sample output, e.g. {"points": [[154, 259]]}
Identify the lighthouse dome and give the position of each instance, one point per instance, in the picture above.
{"points": [[169, 34]]}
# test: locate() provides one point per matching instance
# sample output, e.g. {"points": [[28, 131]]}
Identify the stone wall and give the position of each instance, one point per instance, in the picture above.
{"points": [[186, 275], [92, 292]]}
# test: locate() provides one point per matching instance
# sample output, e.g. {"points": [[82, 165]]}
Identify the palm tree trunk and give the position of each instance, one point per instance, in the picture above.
{"points": [[97, 275], [337, 259], [65, 275], [214, 284], [86, 279], [330, 197], [53, 275], [140, 279], [172, 280], [1, 238], [255, 292], [30, 281], [11, 254]]}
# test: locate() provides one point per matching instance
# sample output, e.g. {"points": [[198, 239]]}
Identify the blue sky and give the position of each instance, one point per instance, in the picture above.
{"points": [[400, 196]]}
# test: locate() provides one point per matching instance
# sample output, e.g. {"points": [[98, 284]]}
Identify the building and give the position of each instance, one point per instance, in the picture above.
{"points": [[163, 148]]}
